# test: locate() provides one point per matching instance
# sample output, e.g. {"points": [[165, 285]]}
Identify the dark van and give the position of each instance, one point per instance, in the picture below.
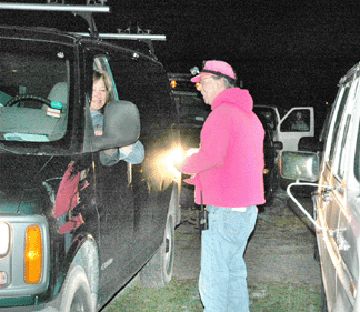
{"points": [[74, 229]]}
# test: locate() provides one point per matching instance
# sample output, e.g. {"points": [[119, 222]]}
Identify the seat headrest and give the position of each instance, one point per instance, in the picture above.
{"points": [[59, 92]]}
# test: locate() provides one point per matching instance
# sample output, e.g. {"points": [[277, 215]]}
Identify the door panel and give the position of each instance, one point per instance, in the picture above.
{"points": [[115, 202]]}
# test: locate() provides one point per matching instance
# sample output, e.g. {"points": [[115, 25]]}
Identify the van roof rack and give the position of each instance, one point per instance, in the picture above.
{"points": [[144, 37], [84, 11]]}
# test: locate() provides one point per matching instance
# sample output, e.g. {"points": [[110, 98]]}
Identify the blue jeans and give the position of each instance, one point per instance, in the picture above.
{"points": [[223, 276]]}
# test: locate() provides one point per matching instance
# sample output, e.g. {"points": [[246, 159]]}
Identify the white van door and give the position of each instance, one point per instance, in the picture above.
{"points": [[296, 124]]}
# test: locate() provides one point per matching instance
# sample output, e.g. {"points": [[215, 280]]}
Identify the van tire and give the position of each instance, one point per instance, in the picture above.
{"points": [[158, 271], [76, 295]]}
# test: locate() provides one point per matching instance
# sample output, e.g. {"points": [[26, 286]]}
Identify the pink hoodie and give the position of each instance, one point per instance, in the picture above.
{"points": [[229, 165]]}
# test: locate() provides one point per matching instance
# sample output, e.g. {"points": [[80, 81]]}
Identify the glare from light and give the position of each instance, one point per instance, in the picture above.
{"points": [[173, 156]]}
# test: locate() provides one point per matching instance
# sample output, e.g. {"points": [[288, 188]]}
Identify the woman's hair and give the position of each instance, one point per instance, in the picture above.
{"points": [[99, 74]]}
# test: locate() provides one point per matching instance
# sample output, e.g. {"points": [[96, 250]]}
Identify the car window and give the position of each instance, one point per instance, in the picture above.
{"points": [[342, 150], [336, 126], [297, 121], [101, 63], [357, 157], [266, 115], [144, 83], [34, 91]]}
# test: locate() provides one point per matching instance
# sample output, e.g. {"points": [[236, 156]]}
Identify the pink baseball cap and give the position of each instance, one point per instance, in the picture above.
{"points": [[218, 68]]}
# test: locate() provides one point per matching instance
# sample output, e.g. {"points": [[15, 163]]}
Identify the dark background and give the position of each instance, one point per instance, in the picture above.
{"points": [[287, 53]]}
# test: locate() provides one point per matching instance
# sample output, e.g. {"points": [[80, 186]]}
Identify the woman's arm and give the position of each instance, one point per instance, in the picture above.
{"points": [[133, 153]]}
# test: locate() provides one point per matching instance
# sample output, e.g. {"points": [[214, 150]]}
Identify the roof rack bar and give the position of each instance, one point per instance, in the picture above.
{"points": [[153, 37], [54, 7]]}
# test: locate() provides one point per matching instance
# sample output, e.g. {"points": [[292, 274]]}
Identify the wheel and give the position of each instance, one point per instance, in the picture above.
{"points": [[158, 271], [75, 295], [27, 98]]}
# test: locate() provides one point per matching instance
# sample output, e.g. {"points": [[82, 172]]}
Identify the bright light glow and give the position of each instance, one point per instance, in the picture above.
{"points": [[266, 171], [33, 255], [173, 84], [4, 238], [173, 156]]}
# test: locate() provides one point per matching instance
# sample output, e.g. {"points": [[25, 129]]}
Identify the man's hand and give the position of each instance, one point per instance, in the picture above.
{"points": [[192, 151], [178, 165]]}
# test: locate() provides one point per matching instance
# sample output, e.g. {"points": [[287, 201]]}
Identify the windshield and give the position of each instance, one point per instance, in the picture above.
{"points": [[33, 92]]}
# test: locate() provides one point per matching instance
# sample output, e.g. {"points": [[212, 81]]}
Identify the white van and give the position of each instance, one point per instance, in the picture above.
{"points": [[297, 123], [336, 204]]}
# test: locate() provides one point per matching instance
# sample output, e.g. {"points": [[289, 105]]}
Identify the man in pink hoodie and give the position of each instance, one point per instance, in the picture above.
{"points": [[228, 175]]}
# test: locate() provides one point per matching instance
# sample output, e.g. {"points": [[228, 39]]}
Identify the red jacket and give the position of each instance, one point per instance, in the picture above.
{"points": [[229, 165]]}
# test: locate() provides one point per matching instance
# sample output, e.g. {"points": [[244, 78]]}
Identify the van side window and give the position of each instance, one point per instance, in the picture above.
{"points": [[357, 157], [337, 126], [343, 151]]}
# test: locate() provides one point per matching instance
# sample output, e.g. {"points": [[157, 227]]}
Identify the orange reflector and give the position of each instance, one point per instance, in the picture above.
{"points": [[33, 255], [173, 84]]}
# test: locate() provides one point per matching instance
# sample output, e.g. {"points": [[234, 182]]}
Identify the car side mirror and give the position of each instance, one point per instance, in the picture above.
{"points": [[310, 144], [299, 166], [121, 126]]}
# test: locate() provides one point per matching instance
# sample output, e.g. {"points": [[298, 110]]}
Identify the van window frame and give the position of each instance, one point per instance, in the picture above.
{"points": [[341, 146], [335, 126]]}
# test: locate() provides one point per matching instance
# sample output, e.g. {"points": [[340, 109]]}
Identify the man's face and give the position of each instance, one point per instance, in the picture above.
{"points": [[210, 88]]}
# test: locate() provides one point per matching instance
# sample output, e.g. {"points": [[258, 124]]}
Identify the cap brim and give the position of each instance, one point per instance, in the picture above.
{"points": [[196, 79]]}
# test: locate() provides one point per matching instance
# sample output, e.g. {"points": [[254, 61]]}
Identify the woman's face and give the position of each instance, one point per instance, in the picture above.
{"points": [[99, 95]]}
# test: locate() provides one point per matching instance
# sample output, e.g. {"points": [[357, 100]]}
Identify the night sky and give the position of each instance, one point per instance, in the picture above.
{"points": [[287, 53]]}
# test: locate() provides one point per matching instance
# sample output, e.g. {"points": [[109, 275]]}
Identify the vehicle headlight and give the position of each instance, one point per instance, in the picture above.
{"points": [[4, 239], [173, 156]]}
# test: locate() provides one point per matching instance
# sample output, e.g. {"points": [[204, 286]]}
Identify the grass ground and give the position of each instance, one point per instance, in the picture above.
{"points": [[183, 296]]}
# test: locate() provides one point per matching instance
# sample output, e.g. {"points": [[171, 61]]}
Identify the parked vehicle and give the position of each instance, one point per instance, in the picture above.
{"points": [[297, 123], [336, 216], [73, 229], [271, 149], [192, 114]]}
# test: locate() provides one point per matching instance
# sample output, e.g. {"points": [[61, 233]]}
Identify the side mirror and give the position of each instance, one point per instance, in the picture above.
{"points": [[310, 144], [299, 166], [121, 126]]}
